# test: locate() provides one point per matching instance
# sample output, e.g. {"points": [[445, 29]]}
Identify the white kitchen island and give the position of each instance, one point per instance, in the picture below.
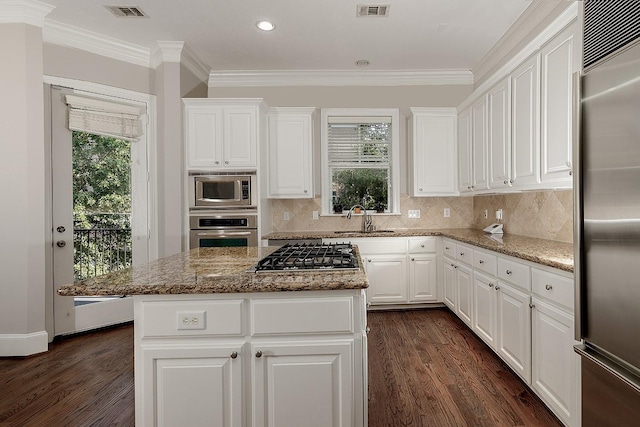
{"points": [[218, 346]]}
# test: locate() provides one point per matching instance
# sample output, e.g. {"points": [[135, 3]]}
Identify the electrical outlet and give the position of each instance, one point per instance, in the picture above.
{"points": [[499, 214], [414, 213], [286, 216], [192, 320], [315, 214], [486, 214], [447, 212]]}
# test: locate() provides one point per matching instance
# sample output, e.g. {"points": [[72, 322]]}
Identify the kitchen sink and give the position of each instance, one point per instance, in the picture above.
{"points": [[353, 233]]}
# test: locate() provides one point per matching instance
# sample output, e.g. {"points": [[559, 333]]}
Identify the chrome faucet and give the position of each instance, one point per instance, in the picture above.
{"points": [[367, 219]]}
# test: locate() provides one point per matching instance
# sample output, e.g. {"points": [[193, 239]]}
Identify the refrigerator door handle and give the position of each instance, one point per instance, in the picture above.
{"points": [[613, 368], [577, 204]]}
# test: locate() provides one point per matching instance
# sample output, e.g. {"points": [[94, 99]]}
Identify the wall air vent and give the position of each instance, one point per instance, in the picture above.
{"points": [[373, 10], [127, 11]]}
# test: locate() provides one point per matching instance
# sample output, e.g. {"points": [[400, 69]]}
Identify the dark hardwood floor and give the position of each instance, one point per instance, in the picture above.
{"points": [[425, 369]]}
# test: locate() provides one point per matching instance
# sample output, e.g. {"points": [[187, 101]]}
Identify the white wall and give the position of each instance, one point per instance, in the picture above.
{"points": [[22, 190]]}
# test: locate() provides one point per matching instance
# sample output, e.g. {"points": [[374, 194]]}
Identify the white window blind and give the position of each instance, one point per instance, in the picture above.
{"points": [[359, 142], [102, 117]]}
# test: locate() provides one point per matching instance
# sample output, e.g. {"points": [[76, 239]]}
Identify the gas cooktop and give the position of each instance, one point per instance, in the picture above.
{"points": [[321, 256]]}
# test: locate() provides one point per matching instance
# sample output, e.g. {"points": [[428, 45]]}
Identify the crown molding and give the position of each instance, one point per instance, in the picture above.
{"points": [[167, 51], [30, 12], [191, 61], [248, 78], [67, 35]]}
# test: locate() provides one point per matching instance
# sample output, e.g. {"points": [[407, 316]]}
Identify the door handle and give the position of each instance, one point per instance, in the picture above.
{"points": [[61, 243]]}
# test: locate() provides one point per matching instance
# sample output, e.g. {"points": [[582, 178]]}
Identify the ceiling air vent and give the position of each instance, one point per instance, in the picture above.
{"points": [[371, 10], [127, 11]]}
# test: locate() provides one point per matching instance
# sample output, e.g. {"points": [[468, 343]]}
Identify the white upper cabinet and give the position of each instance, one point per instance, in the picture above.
{"points": [[291, 152], [464, 150], [525, 124], [500, 135], [222, 134], [433, 147], [479, 145], [518, 134], [559, 59]]}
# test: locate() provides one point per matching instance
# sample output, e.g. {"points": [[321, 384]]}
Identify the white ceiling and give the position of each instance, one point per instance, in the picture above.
{"points": [[310, 34]]}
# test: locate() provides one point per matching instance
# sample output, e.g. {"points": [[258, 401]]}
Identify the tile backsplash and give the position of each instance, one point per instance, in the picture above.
{"points": [[544, 214]]}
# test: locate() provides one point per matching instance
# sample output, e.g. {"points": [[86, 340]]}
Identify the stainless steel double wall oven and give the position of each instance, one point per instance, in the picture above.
{"points": [[223, 210]]}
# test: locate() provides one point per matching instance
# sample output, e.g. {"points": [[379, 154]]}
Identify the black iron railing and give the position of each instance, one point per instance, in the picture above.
{"points": [[99, 251]]}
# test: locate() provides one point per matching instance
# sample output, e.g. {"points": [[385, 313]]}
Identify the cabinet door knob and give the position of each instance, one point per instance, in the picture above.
{"points": [[491, 285], [61, 243], [258, 353], [226, 162], [548, 287], [368, 304], [367, 330], [570, 173], [497, 288], [368, 260], [234, 355], [61, 229], [305, 191], [506, 182], [481, 261], [446, 248], [461, 253], [532, 305], [216, 162], [509, 271], [422, 246], [419, 189], [510, 181], [413, 259]]}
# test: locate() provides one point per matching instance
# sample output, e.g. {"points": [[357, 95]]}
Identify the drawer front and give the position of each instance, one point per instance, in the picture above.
{"points": [[464, 253], [515, 273], [554, 287], [423, 245], [302, 316], [376, 245], [184, 318], [485, 261], [449, 248]]}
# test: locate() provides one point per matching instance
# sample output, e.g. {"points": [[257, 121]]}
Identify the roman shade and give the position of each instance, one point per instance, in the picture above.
{"points": [[106, 118]]}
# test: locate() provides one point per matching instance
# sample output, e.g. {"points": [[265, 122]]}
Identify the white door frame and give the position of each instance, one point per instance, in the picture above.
{"points": [[85, 317]]}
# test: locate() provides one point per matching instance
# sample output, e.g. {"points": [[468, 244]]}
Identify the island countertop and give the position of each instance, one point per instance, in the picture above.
{"points": [[214, 270], [545, 252]]}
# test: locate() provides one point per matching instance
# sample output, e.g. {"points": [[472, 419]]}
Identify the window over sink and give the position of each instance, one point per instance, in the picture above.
{"points": [[360, 160]]}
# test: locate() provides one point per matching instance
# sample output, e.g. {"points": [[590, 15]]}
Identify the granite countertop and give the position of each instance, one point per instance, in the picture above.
{"points": [[214, 270], [545, 252]]}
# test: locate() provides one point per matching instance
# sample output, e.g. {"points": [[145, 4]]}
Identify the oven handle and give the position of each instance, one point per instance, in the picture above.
{"points": [[224, 234]]}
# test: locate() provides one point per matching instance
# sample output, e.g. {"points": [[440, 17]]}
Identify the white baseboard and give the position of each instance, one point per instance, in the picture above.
{"points": [[23, 344]]}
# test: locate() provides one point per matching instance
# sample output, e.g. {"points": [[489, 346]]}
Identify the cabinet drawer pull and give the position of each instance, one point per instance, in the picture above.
{"points": [[368, 260], [422, 245], [481, 261], [548, 287], [234, 354], [509, 271], [258, 353]]}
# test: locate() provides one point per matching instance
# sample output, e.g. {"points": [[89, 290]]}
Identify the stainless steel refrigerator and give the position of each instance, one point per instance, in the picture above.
{"points": [[607, 229]]}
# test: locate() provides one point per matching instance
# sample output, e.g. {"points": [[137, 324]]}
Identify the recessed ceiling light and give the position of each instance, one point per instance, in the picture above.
{"points": [[362, 63], [265, 25]]}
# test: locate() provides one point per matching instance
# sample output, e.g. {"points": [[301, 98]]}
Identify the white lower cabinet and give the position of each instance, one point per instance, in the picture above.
{"points": [[299, 384], [485, 309], [524, 312], [514, 329], [265, 359], [401, 270], [199, 383], [450, 297], [423, 278], [387, 276], [554, 364], [464, 291]]}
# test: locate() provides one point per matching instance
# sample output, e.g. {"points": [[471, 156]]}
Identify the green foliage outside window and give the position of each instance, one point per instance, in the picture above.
{"points": [[101, 204], [367, 187]]}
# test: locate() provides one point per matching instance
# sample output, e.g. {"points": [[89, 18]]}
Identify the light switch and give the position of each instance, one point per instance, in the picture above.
{"points": [[447, 212], [192, 320], [414, 213]]}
